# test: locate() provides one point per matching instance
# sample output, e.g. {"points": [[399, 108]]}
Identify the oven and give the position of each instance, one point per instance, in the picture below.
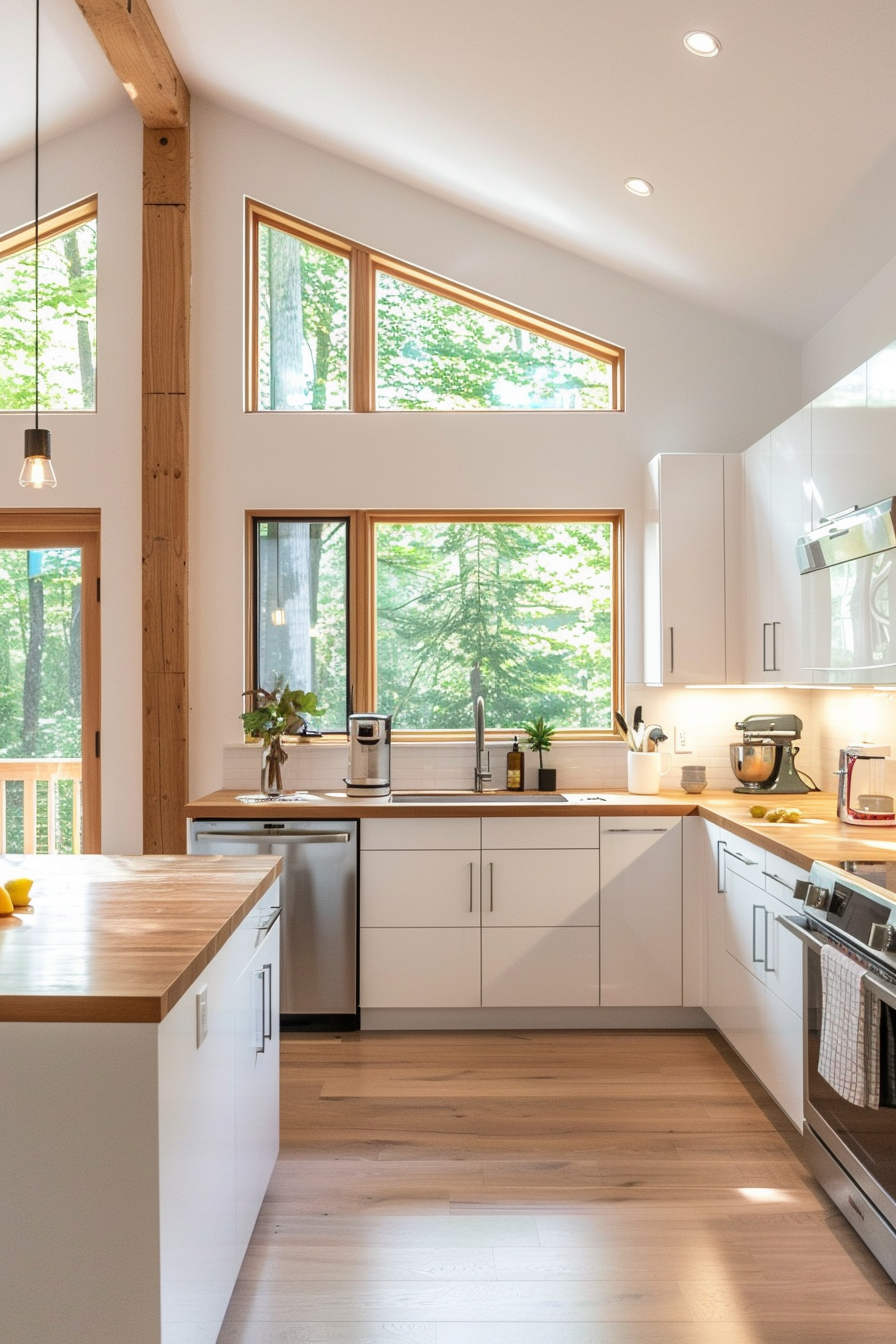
{"points": [[850, 1149]]}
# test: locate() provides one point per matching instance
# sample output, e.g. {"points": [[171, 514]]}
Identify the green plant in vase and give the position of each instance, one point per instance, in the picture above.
{"points": [[275, 713], [539, 736]]}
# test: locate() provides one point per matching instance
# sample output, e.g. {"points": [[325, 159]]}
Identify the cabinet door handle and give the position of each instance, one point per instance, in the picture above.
{"points": [[269, 972], [637, 830], [258, 1012], [775, 667], [775, 878], [273, 915], [765, 912], [491, 886], [751, 863], [769, 969], [721, 876], [471, 887], [671, 648], [765, 665]]}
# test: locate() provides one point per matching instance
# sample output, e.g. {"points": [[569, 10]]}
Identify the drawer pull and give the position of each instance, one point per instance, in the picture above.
{"points": [[775, 878], [637, 830], [491, 886], [751, 863], [273, 915], [471, 887]]}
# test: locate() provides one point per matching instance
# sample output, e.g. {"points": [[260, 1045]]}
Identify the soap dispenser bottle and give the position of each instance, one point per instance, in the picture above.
{"points": [[516, 767]]}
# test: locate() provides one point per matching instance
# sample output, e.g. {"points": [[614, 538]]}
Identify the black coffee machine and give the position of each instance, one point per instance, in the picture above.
{"points": [[764, 761]]}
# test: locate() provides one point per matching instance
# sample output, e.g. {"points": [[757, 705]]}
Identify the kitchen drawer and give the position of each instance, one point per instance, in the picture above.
{"points": [[742, 858], [420, 968], [541, 832], [408, 888], [421, 833], [540, 968], [745, 927], [540, 887], [781, 877], [783, 959], [253, 931]]}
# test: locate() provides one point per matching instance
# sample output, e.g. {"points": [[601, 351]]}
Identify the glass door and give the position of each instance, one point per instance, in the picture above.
{"points": [[49, 690]]}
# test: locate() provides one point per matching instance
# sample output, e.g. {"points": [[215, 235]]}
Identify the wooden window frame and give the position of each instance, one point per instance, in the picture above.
{"points": [[46, 529], [362, 525], [49, 226], [364, 265]]}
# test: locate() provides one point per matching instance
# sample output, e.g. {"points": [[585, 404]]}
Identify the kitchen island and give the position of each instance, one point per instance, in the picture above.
{"points": [[139, 1101]]}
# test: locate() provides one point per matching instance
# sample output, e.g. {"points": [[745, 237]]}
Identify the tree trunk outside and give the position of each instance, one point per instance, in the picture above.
{"points": [[85, 353], [323, 346], [287, 332], [34, 657]]}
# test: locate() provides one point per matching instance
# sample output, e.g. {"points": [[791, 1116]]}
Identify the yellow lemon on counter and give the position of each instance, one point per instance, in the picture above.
{"points": [[6, 905], [19, 889]]}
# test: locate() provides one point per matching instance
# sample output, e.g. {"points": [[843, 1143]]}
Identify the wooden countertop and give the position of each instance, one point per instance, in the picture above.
{"points": [[821, 837], [109, 939]]}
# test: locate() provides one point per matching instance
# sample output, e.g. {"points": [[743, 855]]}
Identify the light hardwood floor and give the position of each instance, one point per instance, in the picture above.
{"points": [[545, 1188]]}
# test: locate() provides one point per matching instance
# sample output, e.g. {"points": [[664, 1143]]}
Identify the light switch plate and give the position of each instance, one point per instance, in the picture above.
{"points": [[682, 740], [201, 1015]]}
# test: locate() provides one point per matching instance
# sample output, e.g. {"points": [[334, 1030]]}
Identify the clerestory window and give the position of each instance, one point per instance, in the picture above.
{"points": [[334, 326], [65, 329]]}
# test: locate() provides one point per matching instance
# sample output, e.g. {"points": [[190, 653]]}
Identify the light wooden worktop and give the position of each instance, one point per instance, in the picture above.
{"points": [[831, 840], [109, 939]]}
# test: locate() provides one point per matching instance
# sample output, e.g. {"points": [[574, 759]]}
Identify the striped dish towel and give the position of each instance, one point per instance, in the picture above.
{"points": [[849, 1057]]}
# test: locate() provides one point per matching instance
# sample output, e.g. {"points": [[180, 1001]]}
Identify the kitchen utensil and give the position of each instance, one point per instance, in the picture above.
{"points": [[764, 760], [645, 770], [626, 732], [863, 798], [369, 756]]}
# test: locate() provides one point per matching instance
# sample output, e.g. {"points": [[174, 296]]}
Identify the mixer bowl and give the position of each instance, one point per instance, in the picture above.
{"points": [[753, 762]]}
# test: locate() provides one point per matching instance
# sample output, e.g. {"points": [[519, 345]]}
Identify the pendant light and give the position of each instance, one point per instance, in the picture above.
{"points": [[37, 469], [278, 615]]}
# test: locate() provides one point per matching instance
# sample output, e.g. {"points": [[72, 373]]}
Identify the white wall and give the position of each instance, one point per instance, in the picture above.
{"points": [[97, 456], [863, 326], [696, 381]]}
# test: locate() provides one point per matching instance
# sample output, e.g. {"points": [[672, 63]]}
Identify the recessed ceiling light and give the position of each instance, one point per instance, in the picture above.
{"points": [[702, 44], [638, 186]]}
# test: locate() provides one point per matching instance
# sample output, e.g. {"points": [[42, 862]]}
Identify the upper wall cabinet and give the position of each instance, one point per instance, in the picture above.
{"points": [[692, 501], [853, 458], [777, 510]]}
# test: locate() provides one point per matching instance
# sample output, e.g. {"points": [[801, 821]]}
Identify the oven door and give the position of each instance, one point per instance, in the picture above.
{"points": [[863, 1141]]}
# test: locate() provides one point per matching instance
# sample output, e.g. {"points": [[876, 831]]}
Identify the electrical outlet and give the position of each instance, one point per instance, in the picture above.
{"points": [[682, 740], [201, 1015]]}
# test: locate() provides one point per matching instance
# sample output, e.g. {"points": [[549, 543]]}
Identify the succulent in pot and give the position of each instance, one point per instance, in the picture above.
{"points": [[276, 712]]}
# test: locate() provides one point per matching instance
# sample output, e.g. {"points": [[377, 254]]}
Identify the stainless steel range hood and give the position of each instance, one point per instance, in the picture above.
{"points": [[851, 535]]}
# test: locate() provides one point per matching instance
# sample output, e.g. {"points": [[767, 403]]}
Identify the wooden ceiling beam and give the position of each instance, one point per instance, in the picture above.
{"points": [[139, 55]]}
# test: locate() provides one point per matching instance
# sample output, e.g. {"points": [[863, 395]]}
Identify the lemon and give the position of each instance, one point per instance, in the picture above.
{"points": [[775, 815], [6, 905], [19, 889], [757, 811], [793, 815]]}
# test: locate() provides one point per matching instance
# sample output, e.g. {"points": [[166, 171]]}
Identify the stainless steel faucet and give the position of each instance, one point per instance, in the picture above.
{"points": [[481, 770]]}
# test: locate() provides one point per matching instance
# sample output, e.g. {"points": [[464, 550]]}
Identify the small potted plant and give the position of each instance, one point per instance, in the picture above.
{"points": [[539, 736], [277, 712]]}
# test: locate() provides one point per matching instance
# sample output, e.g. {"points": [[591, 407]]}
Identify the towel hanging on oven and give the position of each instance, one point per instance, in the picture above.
{"points": [[849, 1056]]}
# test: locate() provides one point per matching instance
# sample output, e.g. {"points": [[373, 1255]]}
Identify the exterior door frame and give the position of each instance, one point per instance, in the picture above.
{"points": [[47, 529]]}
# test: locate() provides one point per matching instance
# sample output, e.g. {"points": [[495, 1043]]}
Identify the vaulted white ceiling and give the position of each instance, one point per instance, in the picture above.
{"points": [[774, 163]]}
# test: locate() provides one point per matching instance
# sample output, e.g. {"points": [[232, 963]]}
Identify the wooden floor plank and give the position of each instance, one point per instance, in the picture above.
{"points": [[545, 1188]]}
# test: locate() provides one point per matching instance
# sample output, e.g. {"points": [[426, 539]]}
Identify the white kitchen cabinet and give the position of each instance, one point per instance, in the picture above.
{"points": [[540, 833], [641, 912], [777, 510], [783, 1062], [540, 967], [412, 888], [540, 887], [257, 1082], [852, 457], [420, 968], [685, 640], [740, 1014]]}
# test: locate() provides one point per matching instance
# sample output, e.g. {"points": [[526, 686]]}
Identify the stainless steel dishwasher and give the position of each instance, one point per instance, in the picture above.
{"points": [[319, 896]]}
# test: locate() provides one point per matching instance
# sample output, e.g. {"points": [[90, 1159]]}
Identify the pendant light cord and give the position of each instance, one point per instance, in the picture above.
{"points": [[36, 209]]}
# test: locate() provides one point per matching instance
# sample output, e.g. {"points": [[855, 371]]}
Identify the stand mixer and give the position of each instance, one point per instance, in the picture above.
{"points": [[764, 761]]}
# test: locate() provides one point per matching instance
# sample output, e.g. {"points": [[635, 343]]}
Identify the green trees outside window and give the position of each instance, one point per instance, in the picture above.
{"points": [[529, 603], [66, 324], [302, 325], [433, 354]]}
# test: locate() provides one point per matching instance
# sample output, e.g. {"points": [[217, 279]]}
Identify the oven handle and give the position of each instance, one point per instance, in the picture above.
{"points": [[886, 993]]}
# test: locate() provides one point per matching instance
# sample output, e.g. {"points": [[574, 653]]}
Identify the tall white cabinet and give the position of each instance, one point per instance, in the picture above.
{"points": [[691, 568]]}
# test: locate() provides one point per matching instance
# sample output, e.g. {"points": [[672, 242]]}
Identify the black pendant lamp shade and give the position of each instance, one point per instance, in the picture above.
{"points": [[37, 469]]}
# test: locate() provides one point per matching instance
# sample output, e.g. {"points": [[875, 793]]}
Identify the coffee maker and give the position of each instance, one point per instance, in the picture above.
{"points": [[369, 756], [862, 799], [764, 761]]}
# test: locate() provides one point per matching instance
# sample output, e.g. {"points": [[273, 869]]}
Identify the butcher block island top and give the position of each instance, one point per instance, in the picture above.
{"points": [[820, 835], [119, 939]]}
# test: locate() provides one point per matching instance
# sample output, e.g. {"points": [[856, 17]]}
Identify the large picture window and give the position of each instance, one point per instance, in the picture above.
{"points": [[333, 325], [66, 329], [401, 613]]}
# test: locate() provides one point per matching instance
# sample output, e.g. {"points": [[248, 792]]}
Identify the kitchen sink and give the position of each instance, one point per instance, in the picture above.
{"points": [[494, 799]]}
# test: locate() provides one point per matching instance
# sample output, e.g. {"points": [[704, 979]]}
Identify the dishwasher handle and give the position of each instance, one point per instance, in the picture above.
{"points": [[281, 838]]}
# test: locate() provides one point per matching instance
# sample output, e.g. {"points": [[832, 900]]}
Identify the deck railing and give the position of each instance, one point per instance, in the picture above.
{"points": [[38, 808]]}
